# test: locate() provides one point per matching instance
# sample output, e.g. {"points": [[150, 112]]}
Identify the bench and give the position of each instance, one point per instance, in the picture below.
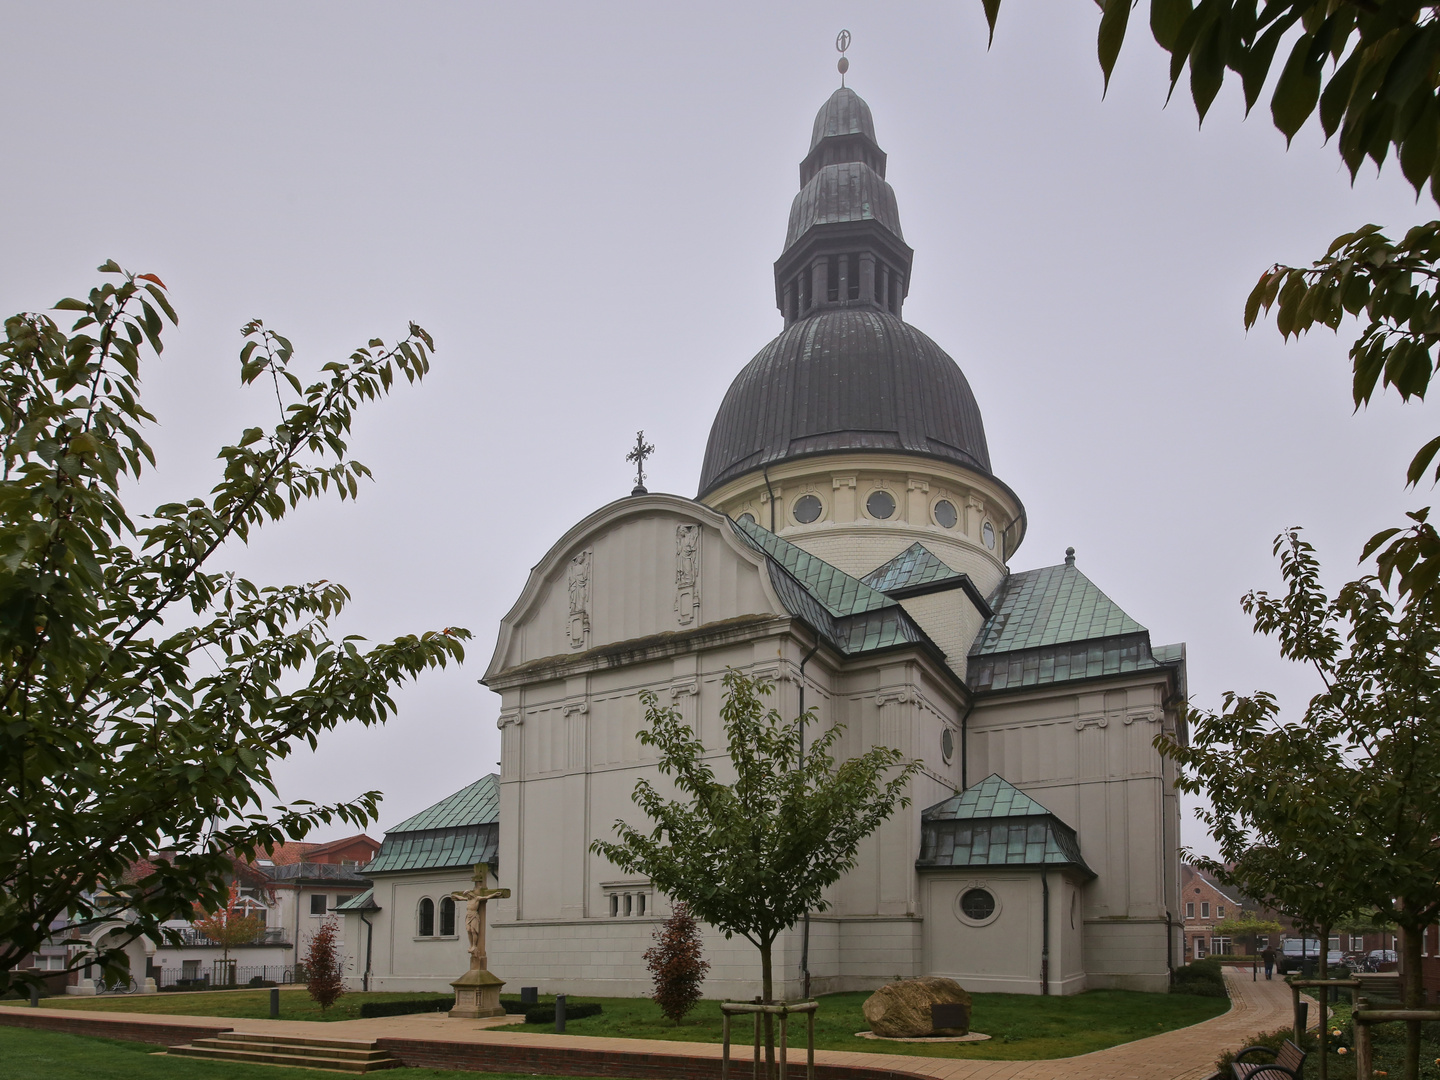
{"points": [[1290, 1061]]}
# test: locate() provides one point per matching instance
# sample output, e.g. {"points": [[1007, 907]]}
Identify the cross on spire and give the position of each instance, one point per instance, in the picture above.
{"points": [[638, 455]]}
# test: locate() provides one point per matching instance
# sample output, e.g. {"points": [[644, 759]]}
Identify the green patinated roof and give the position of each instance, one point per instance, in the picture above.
{"points": [[991, 798], [840, 593], [364, 902], [478, 804], [916, 565], [1054, 605], [458, 831], [995, 824]]}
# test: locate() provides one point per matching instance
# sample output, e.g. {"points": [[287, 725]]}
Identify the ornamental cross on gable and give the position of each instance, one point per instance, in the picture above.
{"points": [[638, 455]]}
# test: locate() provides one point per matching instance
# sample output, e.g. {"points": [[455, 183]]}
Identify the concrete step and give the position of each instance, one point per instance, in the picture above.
{"points": [[340, 1055]]}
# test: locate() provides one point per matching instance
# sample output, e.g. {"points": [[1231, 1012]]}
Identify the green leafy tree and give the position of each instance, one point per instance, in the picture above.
{"points": [[145, 694], [1248, 924], [1333, 815], [1370, 69], [752, 856]]}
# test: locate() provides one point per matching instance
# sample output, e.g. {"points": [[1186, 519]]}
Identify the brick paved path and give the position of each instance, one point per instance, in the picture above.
{"points": [[1185, 1054]]}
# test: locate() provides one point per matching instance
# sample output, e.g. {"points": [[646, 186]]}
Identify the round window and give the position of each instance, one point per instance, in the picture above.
{"points": [[880, 504], [947, 744], [747, 519], [988, 532], [945, 514], [806, 509], [977, 904]]}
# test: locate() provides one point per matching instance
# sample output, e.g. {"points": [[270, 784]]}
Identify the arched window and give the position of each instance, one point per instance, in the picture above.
{"points": [[447, 917], [427, 918]]}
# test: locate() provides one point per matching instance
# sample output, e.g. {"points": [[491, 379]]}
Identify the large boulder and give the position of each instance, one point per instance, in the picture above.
{"points": [[901, 1010]]}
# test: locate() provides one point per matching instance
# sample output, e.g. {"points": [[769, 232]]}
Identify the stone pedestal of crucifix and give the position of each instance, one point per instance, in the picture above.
{"points": [[477, 992]]}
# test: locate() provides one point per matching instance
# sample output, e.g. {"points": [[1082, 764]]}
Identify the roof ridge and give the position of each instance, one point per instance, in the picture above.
{"points": [[910, 567], [469, 802], [841, 594], [1051, 605]]}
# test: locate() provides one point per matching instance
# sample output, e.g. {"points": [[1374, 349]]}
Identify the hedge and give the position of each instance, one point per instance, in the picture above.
{"points": [[1201, 978], [406, 1006], [545, 1014]]}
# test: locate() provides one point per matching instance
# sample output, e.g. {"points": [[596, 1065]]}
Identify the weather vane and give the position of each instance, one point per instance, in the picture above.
{"points": [[842, 42], [638, 455]]}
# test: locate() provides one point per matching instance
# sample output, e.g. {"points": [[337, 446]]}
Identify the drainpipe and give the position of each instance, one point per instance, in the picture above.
{"points": [[1169, 945], [1045, 934], [765, 470], [369, 937], [804, 933], [965, 747]]}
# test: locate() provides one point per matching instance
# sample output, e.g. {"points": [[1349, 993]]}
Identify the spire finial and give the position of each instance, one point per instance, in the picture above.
{"points": [[842, 42], [638, 455], [1069, 556]]}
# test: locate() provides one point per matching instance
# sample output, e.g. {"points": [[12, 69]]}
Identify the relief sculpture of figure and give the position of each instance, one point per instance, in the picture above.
{"points": [[687, 572], [579, 585]]}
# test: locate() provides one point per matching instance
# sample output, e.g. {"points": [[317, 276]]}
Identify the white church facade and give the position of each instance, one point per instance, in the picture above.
{"points": [[848, 536]]}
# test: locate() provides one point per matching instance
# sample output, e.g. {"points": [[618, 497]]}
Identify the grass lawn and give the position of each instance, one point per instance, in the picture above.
{"points": [[53, 1055], [1023, 1026]]}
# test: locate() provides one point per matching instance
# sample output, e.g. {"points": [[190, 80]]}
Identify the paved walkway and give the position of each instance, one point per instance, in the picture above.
{"points": [[1185, 1054]]}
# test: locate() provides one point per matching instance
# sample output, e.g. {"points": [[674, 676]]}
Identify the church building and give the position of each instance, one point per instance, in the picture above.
{"points": [[848, 535]]}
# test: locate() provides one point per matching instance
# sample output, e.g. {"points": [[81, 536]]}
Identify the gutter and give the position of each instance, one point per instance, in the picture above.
{"points": [[369, 938]]}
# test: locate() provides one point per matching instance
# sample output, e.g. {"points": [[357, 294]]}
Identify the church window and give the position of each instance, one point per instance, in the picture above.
{"points": [[447, 917], [806, 509], [977, 904], [426, 920], [946, 516], [947, 745], [614, 904], [880, 504], [988, 535], [747, 519], [640, 903], [629, 904], [852, 279], [832, 278]]}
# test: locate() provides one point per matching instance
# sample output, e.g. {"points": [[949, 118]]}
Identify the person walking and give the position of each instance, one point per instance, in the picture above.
{"points": [[1269, 957]]}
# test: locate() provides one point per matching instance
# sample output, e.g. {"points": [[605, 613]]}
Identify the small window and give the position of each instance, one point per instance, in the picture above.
{"points": [[880, 504], [1220, 911], [946, 516], [832, 278], [947, 745], [806, 509], [318, 904], [629, 904], [852, 282], [447, 917], [614, 905], [1205, 910], [747, 519], [640, 904], [977, 904], [805, 291], [427, 918], [987, 533], [1190, 910]]}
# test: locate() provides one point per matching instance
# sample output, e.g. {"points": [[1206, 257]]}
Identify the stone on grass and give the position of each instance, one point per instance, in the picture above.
{"points": [[901, 1010]]}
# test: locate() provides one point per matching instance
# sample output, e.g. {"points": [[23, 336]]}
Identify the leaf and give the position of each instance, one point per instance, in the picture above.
{"points": [[1112, 35], [1335, 99], [992, 11], [1207, 68], [1256, 68], [150, 277], [1298, 90], [1166, 19], [1421, 462], [1417, 152]]}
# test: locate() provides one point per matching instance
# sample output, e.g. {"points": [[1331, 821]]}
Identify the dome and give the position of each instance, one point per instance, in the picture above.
{"points": [[848, 191], [847, 379], [844, 114]]}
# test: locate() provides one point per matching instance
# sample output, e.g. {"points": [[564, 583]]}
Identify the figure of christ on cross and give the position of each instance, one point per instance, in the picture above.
{"points": [[475, 901]]}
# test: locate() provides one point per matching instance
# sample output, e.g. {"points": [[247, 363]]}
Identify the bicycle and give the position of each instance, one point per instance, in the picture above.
{"points": [[122, 985]]}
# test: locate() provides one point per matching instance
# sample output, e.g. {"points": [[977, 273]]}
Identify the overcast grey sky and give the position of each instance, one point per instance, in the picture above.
{"points": [[582, 202]]}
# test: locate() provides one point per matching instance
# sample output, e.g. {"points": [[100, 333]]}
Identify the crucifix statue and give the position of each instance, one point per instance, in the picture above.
{"points": [[477, 992], [638, 455]]}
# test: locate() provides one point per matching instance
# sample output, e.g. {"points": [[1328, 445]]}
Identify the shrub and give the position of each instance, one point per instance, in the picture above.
{"points": [[406, 1006], [1202, 978], [676, 965], [545, 1014], [322, 964], [1272, 1039]]}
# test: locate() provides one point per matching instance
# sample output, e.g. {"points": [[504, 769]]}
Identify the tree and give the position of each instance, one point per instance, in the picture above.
{"points": [[231, 925], [676, 964], [1248, 924], [1341, 819], [753, 856], [145, 693], [1371, 69], [323, 978]]}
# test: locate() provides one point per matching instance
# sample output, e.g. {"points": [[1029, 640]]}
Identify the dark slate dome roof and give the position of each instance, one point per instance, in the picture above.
{"points": [[847, 191], [844, 114], [845, 379]]}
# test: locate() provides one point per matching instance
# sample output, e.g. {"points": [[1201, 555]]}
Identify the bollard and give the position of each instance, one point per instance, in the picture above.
{"points": [[274, 1003], [529, 995], [34, 996], [1302, 1019], [559, 1014]]}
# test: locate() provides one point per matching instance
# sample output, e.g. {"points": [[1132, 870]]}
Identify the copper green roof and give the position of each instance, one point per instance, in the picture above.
{"points": [[365, 901], [840, 593], [1054, 605], [458, 831], [916, 565], [478, 804], [995, 824]]}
